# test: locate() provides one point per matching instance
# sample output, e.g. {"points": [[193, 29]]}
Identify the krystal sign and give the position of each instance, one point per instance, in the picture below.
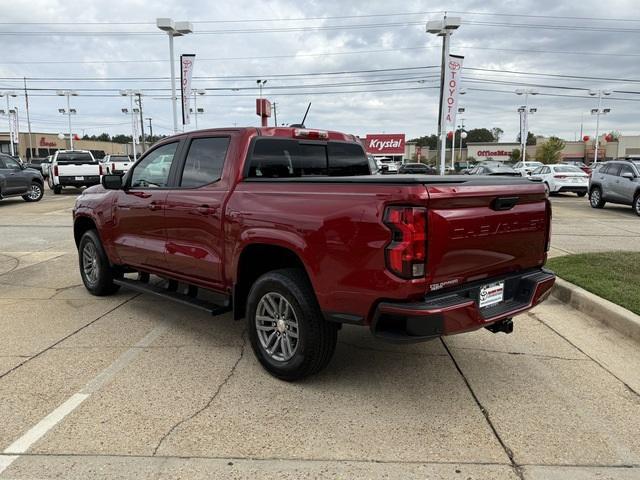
{"points": [[385, 144]]}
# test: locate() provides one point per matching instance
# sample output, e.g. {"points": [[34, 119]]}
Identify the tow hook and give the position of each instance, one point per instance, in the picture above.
{"points": [[505, 326]]}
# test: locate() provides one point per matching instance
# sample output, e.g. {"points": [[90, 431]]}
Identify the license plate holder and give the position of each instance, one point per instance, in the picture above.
{"points": [[491, 294]]}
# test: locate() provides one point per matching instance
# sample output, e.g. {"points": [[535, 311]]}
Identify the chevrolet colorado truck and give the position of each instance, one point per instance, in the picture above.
{"points": [[286, 228]]}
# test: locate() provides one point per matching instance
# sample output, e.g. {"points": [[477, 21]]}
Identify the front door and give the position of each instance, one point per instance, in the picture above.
{"points": [[15, 180], [625, 188], [194, 212], [139, 231]]}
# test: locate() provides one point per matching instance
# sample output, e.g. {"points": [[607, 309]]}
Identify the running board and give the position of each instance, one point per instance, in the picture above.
{"points": [[171, 294]]}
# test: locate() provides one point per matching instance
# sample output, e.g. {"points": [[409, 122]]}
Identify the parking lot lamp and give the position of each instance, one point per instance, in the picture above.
{"points": [[69, 111], [196, 110], [597, 112], [524, 118], [9, 94], [173, 29], [443, 28], [131, 94]]}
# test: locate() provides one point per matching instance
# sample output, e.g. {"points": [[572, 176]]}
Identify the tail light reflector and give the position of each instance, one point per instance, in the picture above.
{"points": [[113, 167], [55, 170], [547, 243], [406, 254]]}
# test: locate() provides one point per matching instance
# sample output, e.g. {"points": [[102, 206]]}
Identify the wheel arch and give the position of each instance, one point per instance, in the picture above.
{"points": [[256, 259], [82, 225]]}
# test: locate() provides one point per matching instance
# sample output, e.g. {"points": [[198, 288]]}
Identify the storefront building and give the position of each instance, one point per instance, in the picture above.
{"points": [[45, 144]]}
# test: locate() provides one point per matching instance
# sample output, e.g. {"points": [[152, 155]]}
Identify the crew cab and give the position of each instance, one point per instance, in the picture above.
{"points": [[73, 168], [286, 228], [116, 164]]}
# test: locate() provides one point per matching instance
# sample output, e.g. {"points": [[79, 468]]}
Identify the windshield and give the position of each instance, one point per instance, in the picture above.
{"points": [[567, 169], [74, 157]]}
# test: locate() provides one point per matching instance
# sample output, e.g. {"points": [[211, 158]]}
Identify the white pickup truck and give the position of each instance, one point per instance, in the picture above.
{"points": [[73, 168], [116, 164]]}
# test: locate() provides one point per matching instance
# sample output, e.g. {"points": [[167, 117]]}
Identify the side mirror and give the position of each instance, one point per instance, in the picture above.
{"points": [[628, 175], [112, 182]]}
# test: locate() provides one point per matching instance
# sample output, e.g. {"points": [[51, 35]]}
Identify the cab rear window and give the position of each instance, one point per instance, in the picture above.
{"points": [[74, 157], [285, 158]]}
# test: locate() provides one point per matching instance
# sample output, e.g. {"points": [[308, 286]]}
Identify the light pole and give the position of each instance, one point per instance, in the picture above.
{"points": [[443, 28], [453, 140], [9, 94], [196, 110], [524, 118], [173, 29], [70, 111], [597, 112], [131, 94], [150, 128]]}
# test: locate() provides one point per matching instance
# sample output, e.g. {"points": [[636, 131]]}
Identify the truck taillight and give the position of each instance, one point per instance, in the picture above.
{"points": [[547, 243], [406, 254], [55, 170], [310, 134], [113, 167]]}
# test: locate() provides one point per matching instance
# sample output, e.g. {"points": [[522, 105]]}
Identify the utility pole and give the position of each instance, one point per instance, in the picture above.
{"points": [[275, 113], [139, 100], [9, 94], [150, 128], [26, 103]]}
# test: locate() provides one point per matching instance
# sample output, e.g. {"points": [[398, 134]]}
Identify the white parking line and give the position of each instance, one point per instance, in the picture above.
{"points": [[40, 429]]}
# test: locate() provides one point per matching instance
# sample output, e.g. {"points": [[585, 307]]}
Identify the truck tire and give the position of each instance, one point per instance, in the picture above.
{"points": [[595, 198], [287, 330], [636, 204], [95, 269], [57, 189], [35, 193]]}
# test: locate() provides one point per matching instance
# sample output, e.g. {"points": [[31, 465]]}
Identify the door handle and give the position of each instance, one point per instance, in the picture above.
{"points": [[206, 210], [153, 206]]}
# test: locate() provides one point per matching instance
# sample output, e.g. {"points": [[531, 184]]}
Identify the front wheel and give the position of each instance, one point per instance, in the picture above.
{"points": [[36, 192], [636, 204], [595, 198], [287, 330], [96, 271], [581, 194]]}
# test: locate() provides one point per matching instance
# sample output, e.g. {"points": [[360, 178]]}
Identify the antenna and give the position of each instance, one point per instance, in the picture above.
{"points": [[305, 114]]}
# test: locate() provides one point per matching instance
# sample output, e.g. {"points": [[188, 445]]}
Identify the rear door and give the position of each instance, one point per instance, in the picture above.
{"points": [[139, 230], [609, 179], [194, 212], [625, 188]]}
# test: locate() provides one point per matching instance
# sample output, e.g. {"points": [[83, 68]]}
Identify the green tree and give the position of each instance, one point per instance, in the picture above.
{"points": [[515, 155], [497, 133], [480, 135], [430, 141], [531, 138], [550, 151]]}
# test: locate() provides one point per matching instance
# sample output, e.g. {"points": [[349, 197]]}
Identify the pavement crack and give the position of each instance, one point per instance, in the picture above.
{"points": [[231, 373], [517, 469], [536, 355], [628, 387], [54, 344]]}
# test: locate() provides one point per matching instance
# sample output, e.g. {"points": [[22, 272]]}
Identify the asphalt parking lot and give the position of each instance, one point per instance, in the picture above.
{"points": [[130, 386]]}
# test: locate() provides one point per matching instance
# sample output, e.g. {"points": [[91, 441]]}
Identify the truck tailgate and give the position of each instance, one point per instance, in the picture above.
{"points": [[78, 169], [481, 231]]}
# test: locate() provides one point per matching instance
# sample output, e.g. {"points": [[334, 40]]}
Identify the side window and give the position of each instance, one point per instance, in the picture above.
{"points": [[626, 169], [546, 170], [614, 169], [347, 159], [153, 170], [11, 164], [281, 158], [2, 162], [603, 169], [204, 161]]}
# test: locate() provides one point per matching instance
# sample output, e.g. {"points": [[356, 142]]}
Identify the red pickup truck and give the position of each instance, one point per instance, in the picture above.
{"points": [[287, 228]]}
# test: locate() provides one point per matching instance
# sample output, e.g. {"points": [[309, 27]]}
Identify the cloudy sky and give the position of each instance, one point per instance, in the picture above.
{"points": [[367, 67]]}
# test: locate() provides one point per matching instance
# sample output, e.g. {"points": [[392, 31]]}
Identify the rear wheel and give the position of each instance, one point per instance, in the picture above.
{"points": [[96, 271], [636, 204], [36, 192], [595, 198], [287, 330], [581, 194]]}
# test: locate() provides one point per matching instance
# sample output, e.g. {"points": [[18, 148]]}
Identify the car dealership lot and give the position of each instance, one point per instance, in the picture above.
{"points": [[137, 387]]}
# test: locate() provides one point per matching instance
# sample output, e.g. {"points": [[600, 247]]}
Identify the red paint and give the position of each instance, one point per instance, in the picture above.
{"points": [[337, 230], [385, 144]]}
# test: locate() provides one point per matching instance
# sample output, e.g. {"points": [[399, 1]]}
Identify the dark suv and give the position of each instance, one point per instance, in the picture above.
{"points": [[16, 180], [618, 181]]}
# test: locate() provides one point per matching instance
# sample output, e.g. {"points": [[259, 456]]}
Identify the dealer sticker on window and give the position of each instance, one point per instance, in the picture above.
{"points": [[491, 294]]}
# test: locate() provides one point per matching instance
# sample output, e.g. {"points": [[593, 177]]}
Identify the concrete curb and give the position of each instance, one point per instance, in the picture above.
{"points": [[615, 316]]}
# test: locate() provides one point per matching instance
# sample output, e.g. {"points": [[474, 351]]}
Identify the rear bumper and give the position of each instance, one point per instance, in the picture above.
{"points": [[573, 188], [457, 311]]}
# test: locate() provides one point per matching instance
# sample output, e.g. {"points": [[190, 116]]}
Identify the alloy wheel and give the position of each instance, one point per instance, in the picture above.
{"points": [[90, 264], [277, 327], [35, 192]]}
